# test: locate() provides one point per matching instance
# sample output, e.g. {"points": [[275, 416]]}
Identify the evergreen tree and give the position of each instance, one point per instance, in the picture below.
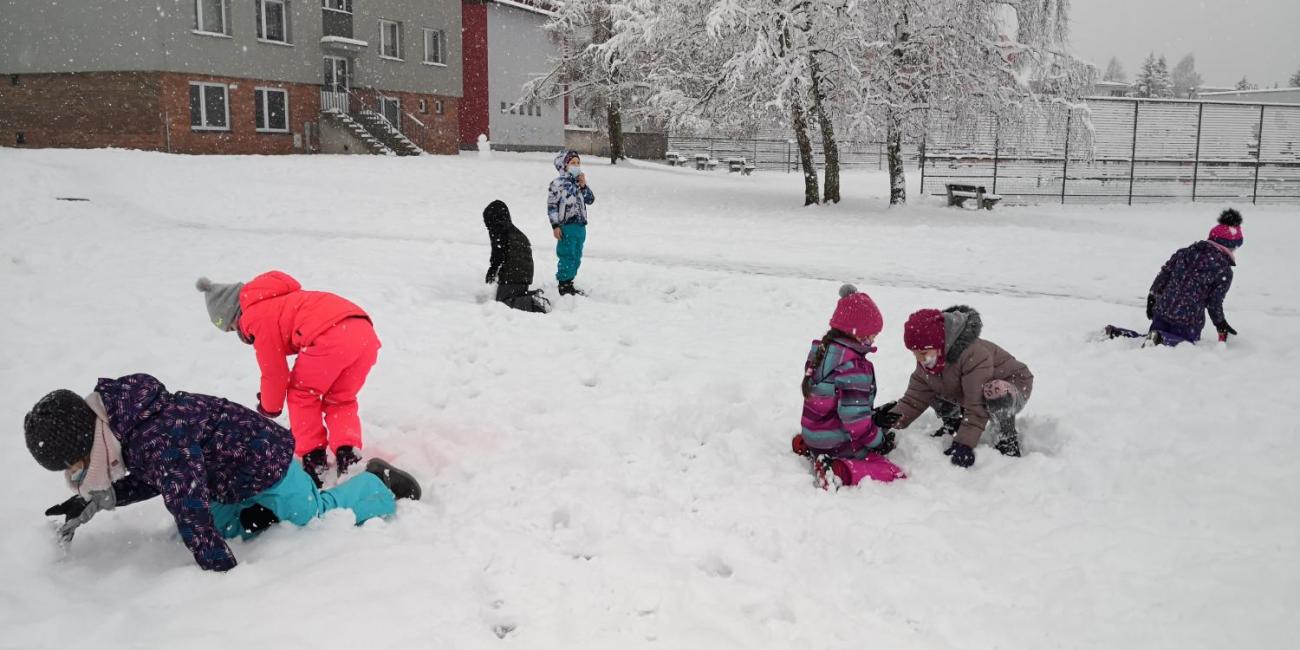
{"points": [[1153, 80], [1245, 84], [1295, 79]]}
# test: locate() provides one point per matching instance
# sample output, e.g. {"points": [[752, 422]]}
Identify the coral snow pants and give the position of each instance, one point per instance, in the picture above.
{"points": [[324, 384]]}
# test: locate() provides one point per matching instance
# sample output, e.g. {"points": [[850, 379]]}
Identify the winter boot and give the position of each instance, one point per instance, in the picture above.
{"points": [[798, 446], [567, 289], [402, 484], [316, 462], [1009, 443], [345, 458]]}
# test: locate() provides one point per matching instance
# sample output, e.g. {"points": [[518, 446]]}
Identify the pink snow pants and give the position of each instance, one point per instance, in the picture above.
{"points": [[324, 384]]}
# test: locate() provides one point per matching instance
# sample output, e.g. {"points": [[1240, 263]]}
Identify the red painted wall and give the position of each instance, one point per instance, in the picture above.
{"points": [[474, 53]]}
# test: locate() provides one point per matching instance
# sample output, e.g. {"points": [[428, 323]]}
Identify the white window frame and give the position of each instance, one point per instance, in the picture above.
{"points": [[438, 108], [261, 22], [261, 94], [202, 29], [440, 55], [424, 106], [203, 106], [325, 4], [383, 39]]}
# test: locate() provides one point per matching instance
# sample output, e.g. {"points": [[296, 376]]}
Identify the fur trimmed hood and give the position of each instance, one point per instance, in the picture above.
{"points": [[961, 326]]}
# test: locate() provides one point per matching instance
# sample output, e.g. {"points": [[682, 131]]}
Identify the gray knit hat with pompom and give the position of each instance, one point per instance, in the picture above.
{"points": [[223, 303]]}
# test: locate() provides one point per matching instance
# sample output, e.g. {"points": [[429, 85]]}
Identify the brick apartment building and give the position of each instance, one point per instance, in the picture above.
{"points": [[232, 76]]}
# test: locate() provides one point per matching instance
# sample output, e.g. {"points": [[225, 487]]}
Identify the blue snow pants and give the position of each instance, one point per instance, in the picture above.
{"points": [[569, 250], [295, 498]]}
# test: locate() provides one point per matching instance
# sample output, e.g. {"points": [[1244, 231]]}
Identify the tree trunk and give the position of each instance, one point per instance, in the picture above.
{"points": [[894, 149], [810, 190], [615, 115], [830, 150]]}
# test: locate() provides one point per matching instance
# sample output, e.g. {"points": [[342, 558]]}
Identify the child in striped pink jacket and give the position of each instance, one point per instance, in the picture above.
{"points": [[840, 419]]}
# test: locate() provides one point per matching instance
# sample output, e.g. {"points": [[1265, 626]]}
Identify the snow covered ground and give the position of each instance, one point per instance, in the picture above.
{"points": [[617, 474]]}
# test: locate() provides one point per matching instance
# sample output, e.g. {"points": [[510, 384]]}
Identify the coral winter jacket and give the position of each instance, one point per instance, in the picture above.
{"points": [[280, 319]]}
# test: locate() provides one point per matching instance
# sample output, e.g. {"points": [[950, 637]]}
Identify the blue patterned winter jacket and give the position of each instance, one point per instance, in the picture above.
{"points": [[193, 450], [1194, 280], [566, 202]]}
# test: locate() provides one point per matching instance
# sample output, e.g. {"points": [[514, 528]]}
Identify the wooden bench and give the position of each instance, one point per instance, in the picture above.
{"points": [[959, 194], [735, 165], [749, 169], [675, 159]]}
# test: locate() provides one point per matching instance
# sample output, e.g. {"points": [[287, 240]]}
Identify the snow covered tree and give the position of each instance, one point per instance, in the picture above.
{"points": [[1295, 79], [1114, 71], [583, 71], [1245, 84], [1153, 80], [1185, 77], [963, 58]]}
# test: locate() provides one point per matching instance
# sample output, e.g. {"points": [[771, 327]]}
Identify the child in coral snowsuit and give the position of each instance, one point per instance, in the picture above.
{"points": [[335, 344], [222, 470], [839, 388]]}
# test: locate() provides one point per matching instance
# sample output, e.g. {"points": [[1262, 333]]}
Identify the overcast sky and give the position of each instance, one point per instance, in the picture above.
{"points": [[1231, 38]]}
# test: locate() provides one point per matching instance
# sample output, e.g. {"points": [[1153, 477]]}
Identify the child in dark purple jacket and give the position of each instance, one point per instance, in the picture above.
{"points": [[1194, 281], [223, 470]]}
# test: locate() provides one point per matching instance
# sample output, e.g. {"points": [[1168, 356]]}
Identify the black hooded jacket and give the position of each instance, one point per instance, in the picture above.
{"points": [[512, 254]]}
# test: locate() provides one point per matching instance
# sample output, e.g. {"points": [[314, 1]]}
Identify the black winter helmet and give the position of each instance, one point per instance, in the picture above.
{"points": [[60, 430]]}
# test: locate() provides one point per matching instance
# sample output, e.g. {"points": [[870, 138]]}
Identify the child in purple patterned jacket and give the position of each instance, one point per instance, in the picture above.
{"points": [[222, 470]]}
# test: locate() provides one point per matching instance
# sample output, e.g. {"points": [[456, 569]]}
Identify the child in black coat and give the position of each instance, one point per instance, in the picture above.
{"points": [[511, 266]]}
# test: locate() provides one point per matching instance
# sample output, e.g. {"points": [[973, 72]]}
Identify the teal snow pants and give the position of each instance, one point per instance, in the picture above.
{"points": [[295, 498], [569, 250]]}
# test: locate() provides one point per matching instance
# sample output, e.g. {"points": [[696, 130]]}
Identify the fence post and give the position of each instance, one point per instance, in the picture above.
{"points": [[1259, 157], [787, 155], [1065, 165], [997, 133], [920, 154], [755, 153], [1196, 162], [1132, 157]]}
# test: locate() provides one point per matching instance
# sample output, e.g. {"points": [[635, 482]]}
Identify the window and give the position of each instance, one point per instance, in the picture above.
{"points": [[271, 109], [390, 39], [337, 5], [435, 48], [437, 107], [424, 106], [273, 20], [210, 16], [208, 108]]}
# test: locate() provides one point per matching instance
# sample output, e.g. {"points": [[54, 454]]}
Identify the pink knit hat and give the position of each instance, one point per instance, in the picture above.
{"points": [[1228, 232], [856, 314]]}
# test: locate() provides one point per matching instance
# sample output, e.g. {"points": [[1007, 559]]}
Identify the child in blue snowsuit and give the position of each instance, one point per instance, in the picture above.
{"points": [[1194, 281], [223, 470], [566, 206]]}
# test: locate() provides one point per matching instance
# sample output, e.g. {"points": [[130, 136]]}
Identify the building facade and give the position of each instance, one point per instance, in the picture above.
{"points": [[505, 46], [226, 76]]}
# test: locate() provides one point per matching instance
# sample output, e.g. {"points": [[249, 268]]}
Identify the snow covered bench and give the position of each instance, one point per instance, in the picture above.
{"points": [[735, 165], [675, 159], [704, 162], [959, 194]]}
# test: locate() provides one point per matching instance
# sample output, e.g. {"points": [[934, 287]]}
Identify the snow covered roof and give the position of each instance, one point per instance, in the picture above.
{"points": [[543, 7]]}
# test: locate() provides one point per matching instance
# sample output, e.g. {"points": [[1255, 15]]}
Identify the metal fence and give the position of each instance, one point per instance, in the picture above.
{"points": [[1138, 150], [783, 154]]}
